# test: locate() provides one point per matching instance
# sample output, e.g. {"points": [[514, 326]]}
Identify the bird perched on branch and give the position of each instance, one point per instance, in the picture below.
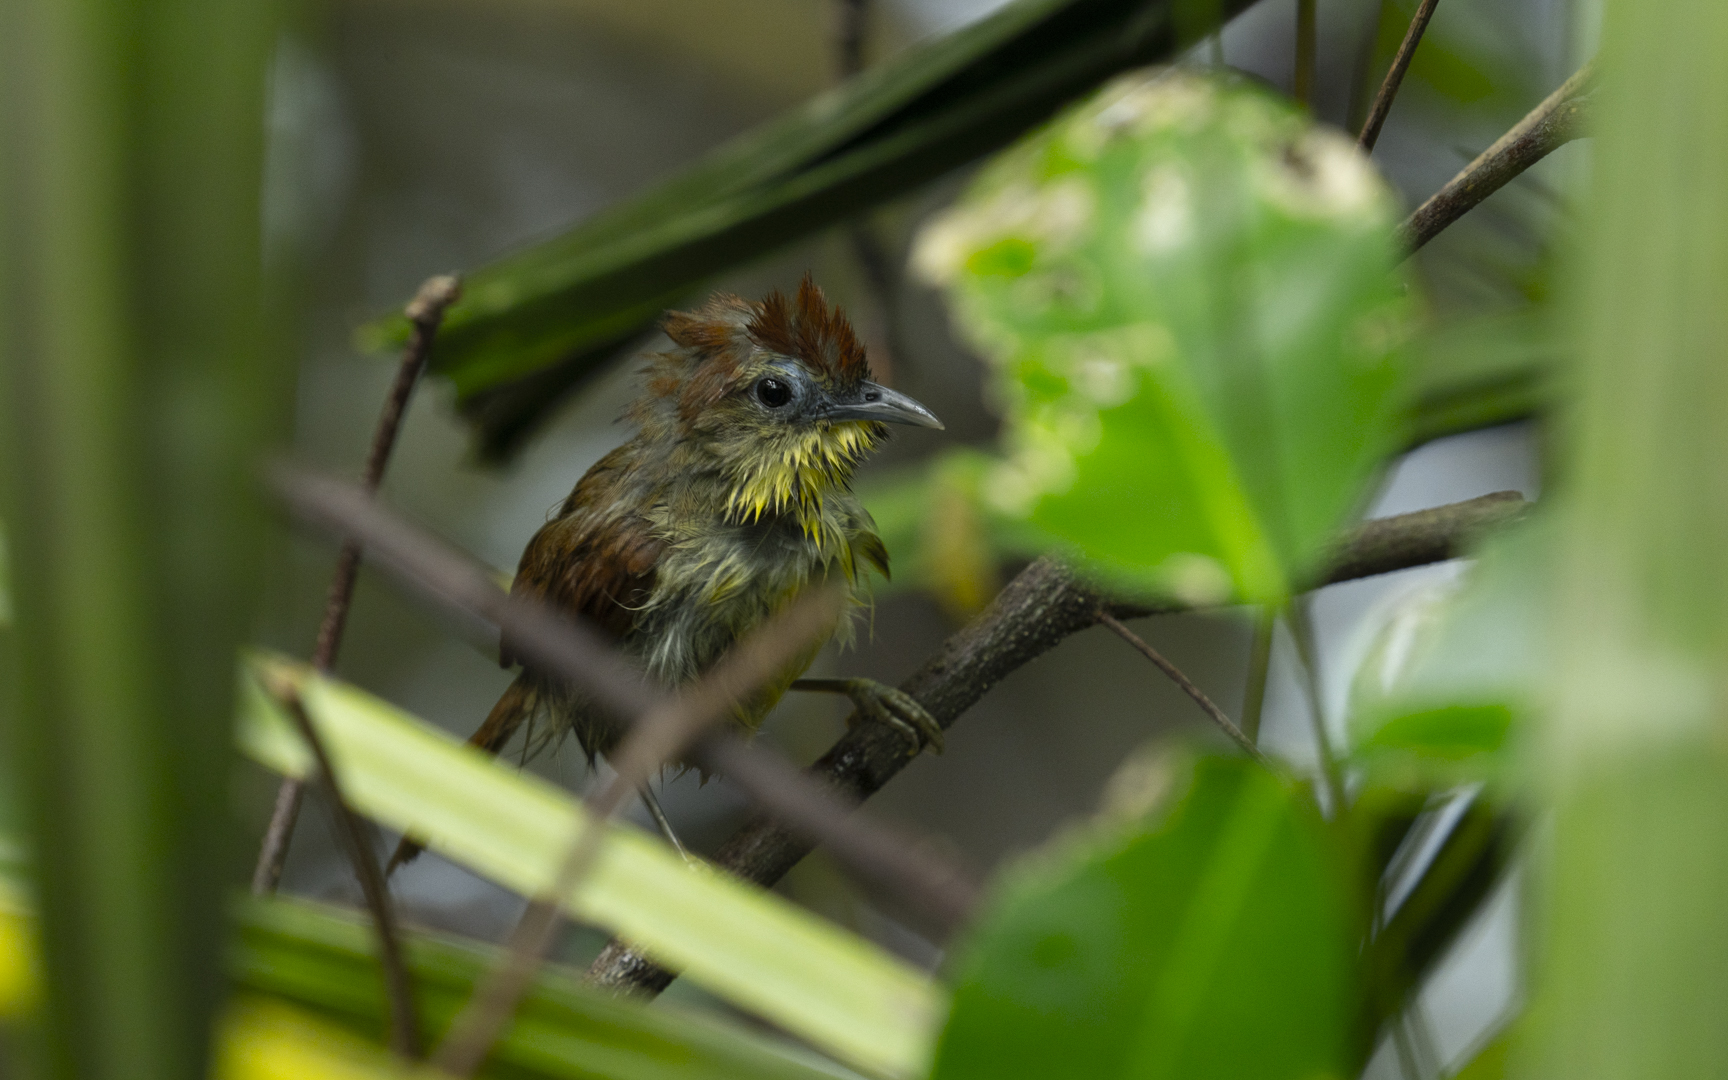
{"points": [[733, 497]]}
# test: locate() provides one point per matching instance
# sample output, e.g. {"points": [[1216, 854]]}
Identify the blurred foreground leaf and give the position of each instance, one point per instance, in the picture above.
{"points": [[1632, 946], [263, 1040], [324, 959], [1489, 1063], [746, 945], [1187, 291], [572, 300], [140, 380], [1456, 672], [1217, 939]]}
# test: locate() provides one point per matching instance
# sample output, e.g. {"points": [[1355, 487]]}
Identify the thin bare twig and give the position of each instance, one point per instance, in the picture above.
{"points": [[570, 651], [1562, 117], [1206, 706], [425, 312], [652, 741], [1307, 50], [1037, 610], [404, 1026], [1395, 75], [1259, 664]]}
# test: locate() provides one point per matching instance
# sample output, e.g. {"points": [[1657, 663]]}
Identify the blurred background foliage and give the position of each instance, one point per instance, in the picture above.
{"points": [[585, 163]]}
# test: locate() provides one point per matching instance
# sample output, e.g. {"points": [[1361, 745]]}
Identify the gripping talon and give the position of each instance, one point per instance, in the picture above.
{"points": [[885, 704]]}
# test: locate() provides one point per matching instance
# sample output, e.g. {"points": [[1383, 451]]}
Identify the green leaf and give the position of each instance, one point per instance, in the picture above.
{"points": [[572, 300], [323, 958], [1187, 292], [1216, 940], [743, 944]]}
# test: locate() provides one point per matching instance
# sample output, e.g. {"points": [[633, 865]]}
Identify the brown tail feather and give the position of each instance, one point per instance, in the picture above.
{"points": [[513, 708]]}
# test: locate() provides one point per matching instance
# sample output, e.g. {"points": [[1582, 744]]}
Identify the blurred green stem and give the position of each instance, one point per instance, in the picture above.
{"points": [[137, 384], [1259, 664], [1633, 978], [1301, 624]]}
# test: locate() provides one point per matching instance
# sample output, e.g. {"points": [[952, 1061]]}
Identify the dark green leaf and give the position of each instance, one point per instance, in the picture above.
{"points": [[1217, 940]]}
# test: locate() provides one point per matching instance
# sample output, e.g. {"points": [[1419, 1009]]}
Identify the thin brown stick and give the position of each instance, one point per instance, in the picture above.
{"points": [[1037, 610], [568, 650], [425, 312], [654, 740], [1259, 664], [404, 1026], [1562, 117], [1188, 687], [1395, 76], [1307, 50]]}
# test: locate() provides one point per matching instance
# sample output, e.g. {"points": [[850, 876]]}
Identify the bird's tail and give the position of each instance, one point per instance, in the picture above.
{"points": [[514, 708]]}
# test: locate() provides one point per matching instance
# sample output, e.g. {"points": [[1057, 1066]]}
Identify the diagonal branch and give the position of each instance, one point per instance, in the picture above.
{"points": [[1562, 117], [424, 313], [1036, 611], [1395, 76], [1206, 706]]}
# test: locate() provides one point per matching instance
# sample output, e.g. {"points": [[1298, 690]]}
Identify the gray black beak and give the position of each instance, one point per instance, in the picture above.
{"points": [[874, 402]]}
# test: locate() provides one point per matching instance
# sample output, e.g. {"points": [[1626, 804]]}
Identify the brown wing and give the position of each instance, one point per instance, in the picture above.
{"points": [[595, 559]]}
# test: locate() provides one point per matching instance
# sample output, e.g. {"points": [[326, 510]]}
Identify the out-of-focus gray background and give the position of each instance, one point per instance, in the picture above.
{"points": [[411, 137]]}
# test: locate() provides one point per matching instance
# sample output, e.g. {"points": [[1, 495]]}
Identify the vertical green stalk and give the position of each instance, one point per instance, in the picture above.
{"points": [[134, 396], [1634, 979]]}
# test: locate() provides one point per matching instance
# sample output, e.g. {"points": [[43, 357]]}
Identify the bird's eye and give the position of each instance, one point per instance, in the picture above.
{"points": [[773, 393]]}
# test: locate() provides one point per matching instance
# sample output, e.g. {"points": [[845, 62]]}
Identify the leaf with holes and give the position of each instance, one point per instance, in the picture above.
{"points": [[1187, 291]]}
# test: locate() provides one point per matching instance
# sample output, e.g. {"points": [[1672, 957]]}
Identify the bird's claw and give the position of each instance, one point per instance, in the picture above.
{"points": [[887, 705], [897, 709]]}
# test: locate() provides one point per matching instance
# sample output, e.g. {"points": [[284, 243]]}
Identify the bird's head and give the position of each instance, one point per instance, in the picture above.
{"points": [[778, 394]]}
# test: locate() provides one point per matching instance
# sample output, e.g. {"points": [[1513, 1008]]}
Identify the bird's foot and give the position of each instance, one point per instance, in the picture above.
{"points": [[887, 705], [662, 823]]}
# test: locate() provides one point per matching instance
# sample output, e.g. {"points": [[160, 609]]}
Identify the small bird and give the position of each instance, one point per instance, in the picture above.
{"points": [[733, 497]]}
